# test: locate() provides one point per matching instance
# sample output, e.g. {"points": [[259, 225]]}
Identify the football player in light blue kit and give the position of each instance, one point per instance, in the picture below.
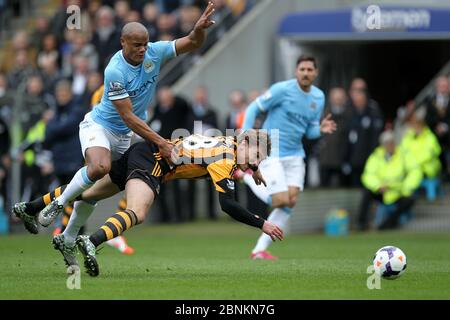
{"points": [[106, 132], [294, 109]]}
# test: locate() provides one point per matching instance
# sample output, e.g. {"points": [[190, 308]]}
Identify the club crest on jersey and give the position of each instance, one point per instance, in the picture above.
{"points": [[148, 66], [313, 105]]}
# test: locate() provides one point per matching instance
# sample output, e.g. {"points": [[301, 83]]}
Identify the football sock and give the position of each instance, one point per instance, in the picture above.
{"points": [[33, 207], [119, 242], [81, 212], [114, 227], [278, 216], [77, 185], [259, 190]]}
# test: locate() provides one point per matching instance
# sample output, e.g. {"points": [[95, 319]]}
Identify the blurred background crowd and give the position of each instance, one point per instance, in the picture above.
{"points": [[48, 74]]}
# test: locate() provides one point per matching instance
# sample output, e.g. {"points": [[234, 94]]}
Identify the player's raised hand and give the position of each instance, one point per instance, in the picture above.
{"points": [[273, 231], [205, 22], [328, 125]]}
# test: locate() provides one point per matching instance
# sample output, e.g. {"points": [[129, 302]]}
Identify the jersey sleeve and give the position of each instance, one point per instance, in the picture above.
{"points": [[220, 173], [313, 130], [115, 84], [164, 49], [270, 98]]}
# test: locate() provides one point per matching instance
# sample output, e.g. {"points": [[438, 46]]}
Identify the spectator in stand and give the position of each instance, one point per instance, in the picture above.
{"points": [[106, 38], [80, 75], [61, 134], [121, 8], [50, 74], [438, 119], [188, 16], [170, 114], [238, 105], [402, 120], [203, 113], [20, 43], [150, 16], [95, 81], [35, 103], [59, 20], [40, 30], [133, 16], [23, 69], [391, 177], [365, 127], [66, 51], [92, 8], [6, 99], [167, 24], [420, 143], [49, 50], [333, 147], [81, 46]]}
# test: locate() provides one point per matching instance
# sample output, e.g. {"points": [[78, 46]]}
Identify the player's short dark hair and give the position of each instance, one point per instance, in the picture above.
{"points": [[305, 57]]}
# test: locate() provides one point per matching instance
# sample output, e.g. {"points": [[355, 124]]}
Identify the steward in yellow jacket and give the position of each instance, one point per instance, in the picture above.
{"points": [[390, 177], [420, 143]]}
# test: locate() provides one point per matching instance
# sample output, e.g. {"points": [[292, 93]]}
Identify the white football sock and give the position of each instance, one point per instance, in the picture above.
{"points": [[77, 185], [278, 216], [260, 191], [81, 212]]}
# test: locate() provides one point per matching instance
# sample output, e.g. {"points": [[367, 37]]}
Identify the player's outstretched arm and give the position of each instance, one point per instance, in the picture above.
{"points": [[138, 126], [197, 36], [239, 213]]}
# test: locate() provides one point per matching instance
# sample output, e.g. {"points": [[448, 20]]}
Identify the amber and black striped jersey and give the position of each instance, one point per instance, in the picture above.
{"points": [[201, 156]]}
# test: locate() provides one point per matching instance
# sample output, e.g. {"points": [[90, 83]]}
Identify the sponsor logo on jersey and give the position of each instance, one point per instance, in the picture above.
{"points": [[230, 184]]}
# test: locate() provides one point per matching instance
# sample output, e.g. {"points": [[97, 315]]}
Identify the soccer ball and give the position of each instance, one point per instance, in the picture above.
{"points": [[389, 262]]}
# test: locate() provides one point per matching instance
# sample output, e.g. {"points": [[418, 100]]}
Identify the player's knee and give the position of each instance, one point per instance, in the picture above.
{"points": [[140, 215], [280, 201], [98, 170]]}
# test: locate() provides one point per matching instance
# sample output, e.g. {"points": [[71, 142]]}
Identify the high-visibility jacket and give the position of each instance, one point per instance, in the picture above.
{"points": [[425, 149], [399, 175], [35, 134]]}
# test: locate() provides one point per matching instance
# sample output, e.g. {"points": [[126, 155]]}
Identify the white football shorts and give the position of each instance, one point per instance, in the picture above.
{"points": [[93, 134], [281, 173]]}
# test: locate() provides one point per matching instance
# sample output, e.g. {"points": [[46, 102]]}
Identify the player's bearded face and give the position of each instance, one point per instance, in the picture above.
{"points": [[306, 73]]}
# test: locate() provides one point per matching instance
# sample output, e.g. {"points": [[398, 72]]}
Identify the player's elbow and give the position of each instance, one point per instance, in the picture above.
{"points": [[224, 205]]}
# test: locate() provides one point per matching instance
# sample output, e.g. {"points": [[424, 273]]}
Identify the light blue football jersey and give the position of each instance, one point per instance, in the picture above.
{"points": [[290, 110], [124, 80]]}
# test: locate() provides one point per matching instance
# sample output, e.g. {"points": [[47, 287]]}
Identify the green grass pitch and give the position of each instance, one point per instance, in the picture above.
{"points": [[210, 260]]}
